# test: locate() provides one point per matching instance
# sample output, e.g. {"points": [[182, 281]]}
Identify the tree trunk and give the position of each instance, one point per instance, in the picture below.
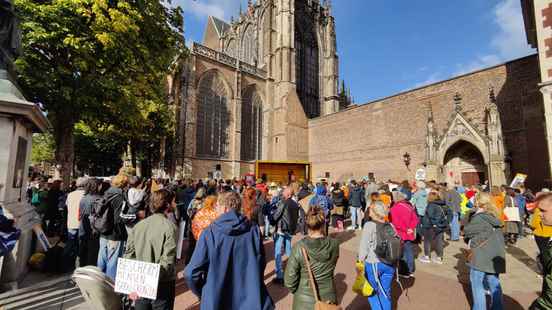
{"points": [[65, 148]]}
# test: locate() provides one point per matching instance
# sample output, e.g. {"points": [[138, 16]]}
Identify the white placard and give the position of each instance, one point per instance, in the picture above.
{"points": [[518, 180], [420, 174], [137, 277]]}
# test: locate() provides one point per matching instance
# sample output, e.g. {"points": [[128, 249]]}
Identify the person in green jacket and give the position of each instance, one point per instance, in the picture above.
{"points": [[484, 236], [153, 240], [544, 302], [323, 253]]}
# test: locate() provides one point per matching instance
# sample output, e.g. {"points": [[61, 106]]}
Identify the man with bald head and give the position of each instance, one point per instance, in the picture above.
{"points": [[544, 204], [285, 217]]}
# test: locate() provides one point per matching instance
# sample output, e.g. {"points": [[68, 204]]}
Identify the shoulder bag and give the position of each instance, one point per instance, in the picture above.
{"points": [[319, 305]]}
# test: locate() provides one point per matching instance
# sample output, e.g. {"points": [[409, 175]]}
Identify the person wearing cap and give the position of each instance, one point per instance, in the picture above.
{"points": [[71, 249], [377, 273]]}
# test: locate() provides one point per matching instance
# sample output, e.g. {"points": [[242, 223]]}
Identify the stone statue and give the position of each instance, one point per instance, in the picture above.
{"points": [[10, 34]]}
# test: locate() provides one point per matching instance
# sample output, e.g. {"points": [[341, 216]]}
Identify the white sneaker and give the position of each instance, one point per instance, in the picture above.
{"points": [[438, 260], [351, 228], [424, 259]]}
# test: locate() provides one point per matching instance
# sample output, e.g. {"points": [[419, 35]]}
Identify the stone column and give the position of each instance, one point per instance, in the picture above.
{"points": [[235, 143], [546, 90]]}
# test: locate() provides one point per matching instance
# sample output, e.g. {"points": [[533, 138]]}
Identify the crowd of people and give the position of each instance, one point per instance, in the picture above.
{"points": [[226, 222]]}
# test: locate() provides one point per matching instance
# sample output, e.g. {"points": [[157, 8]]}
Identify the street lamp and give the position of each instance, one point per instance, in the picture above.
{"points": [[406, 160]]}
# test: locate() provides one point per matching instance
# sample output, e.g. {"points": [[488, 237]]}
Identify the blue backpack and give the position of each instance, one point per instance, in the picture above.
{"points": [[323, 202]]}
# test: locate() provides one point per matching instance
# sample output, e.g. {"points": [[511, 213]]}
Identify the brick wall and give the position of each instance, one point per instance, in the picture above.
{"points": [[373, 137]]}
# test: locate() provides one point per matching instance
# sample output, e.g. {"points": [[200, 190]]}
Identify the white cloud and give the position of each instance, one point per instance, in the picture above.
{"points": [[434, 77], [222, 9], [507, 43]]}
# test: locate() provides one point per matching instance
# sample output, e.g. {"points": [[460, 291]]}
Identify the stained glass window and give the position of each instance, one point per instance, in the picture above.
{"points": [[252, 125], [248, 46], [213, 117]]}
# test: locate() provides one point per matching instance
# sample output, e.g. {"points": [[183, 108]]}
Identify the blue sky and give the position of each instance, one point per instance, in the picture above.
{"points": [[388, 46]]}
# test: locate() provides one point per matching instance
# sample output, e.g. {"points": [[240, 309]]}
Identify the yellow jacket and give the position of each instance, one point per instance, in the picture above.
{"points": [[539, 229]]}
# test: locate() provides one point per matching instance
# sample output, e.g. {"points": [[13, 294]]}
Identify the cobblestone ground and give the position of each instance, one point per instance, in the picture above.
{"points": [[434, 287]]}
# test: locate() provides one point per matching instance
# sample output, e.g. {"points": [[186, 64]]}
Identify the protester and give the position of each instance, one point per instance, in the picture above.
{"points": [[71, 250], [521, 203], [112, 242], [338, 213], [544, 207], [53, 215], [323, 253], [541, 232], [511, 218], [484, 236], [89, 241], [285, 217], [405, 220], [249, 200], [323, 201], [434, 225], [206, 215], [453, 202], [195, 205], [357, 202], [379, 274], [227, 268], [153, 240]]}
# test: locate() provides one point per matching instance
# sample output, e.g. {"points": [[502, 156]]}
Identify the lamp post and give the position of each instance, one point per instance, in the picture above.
{"points": [[406, 160]]}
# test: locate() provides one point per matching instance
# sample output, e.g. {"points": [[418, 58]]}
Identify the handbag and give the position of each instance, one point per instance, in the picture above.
{"points": [[361, 285], [319, 305]]}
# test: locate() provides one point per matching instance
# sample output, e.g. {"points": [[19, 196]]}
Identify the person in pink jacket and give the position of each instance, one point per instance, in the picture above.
{"points": [[404, 219]]}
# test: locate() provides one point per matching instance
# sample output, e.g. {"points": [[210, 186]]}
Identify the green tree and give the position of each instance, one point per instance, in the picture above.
{"points": [[99, 61], [43, 148]]}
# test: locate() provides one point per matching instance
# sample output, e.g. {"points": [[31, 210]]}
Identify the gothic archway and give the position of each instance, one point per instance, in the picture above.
{"points": [[464, 164]]}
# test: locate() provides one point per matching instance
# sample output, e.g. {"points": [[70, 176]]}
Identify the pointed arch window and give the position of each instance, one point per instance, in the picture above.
{"points": [[213, 117], [230, 49], [248, 46], [252, 125], [306, 60]]}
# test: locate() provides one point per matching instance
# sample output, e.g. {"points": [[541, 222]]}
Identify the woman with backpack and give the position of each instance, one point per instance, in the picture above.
{"points": [[379, 274], [434, 225], [322, 252], [89, 240], [486, 257], [404, 219]]}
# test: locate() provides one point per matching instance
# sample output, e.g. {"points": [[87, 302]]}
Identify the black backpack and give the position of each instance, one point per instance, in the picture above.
{"points": [[388, 248], [101, 216]]}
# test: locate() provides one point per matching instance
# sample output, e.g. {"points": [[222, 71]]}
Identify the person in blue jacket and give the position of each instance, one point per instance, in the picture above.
{"points": [[227, 267]]}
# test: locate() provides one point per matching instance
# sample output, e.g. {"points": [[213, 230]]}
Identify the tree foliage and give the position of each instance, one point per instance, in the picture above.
{"points": [[43, 148], [97, 61]]}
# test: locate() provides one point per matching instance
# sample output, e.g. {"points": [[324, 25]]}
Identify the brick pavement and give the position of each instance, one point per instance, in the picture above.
{"points": [[435, 286]]}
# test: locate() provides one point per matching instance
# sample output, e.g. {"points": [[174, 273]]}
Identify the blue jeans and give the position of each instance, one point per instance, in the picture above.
{"points": [[285, 241], [355, 216], [380, 277], [408, 257], [480, 281], [455, 227], [109, 254]]}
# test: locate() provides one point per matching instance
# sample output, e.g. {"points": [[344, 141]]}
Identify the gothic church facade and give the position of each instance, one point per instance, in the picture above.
{"points": [[264, 87]]}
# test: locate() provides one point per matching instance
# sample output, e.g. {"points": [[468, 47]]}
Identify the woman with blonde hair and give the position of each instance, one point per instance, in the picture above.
{"points": [[322, 252], [484, 236]]}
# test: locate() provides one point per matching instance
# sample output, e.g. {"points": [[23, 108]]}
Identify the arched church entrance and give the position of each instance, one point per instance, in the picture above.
{"points": [[464, 165]]}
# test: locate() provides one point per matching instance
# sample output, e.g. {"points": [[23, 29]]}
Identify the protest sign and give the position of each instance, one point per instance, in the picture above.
{"points": [[420, 174], [137, 277], [518, 180]]}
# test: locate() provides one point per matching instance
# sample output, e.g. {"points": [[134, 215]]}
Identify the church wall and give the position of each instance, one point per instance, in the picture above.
{"points": [[374, 137]]}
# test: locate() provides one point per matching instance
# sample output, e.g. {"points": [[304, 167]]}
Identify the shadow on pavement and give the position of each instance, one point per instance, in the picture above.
{"points": [[523, 257], [344, 236], [277, 292]]}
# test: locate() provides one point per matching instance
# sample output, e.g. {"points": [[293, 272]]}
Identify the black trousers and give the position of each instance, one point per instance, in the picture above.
{"points": [[542, 243], [164, 301]]}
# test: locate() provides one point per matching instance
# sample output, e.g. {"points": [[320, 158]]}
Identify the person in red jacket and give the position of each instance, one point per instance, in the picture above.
{"points": [[404, 219]]}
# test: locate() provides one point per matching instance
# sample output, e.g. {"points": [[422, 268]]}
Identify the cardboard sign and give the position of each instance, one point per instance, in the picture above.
{"points": [[420, 174], [518, 180], [137, 277]]}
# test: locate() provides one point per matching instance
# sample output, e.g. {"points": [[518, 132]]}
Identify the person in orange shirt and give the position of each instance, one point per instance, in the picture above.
{"points": [[204, 216], [498, 199]]}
